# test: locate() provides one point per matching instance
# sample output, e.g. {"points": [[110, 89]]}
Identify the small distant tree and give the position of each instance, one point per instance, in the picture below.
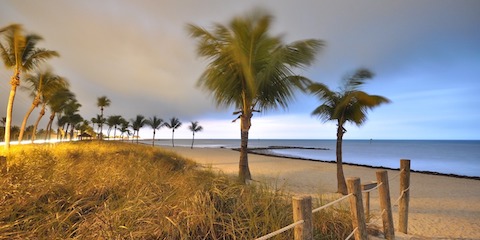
{"points": [[347, 105], [173, 124], [194, 127], [155, 123], [102, 102], [137, 123]]}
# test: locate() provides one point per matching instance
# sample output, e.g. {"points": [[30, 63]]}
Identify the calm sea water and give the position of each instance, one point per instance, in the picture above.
{"points": [[443, 156]]}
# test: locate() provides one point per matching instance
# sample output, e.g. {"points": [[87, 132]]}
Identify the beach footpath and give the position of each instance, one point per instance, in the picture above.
{"points": [[441, 207]]}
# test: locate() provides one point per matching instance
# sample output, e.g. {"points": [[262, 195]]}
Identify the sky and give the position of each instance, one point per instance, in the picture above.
{"points": [[425, 56]]}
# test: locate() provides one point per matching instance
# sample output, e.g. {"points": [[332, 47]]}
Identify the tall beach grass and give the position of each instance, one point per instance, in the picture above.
{"points": [[113, 190]]}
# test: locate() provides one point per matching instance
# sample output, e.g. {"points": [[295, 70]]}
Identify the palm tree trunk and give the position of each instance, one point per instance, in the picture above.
{"points": [[24, 122], [34, 131], [341, 184], [49, 126], [14, 81], [193, 139], [173, 134], [244, 170], [153, 140]]}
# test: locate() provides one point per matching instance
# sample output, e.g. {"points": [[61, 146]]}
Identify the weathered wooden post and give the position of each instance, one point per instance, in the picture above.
{"points": [[385, 204], [366, 197], [302, 210], [404, 195], [356, 208]]}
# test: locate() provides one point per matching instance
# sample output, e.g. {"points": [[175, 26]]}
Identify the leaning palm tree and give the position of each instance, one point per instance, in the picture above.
{"points": [[194, 127], [173, 124], [19, 51], [155, 123], [348, 105], [35, 85], [137, 123], [102, 102], [251, 69], [50, 88]]}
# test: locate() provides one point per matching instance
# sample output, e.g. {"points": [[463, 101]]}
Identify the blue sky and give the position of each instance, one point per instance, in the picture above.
{"points": [[425, 56]]}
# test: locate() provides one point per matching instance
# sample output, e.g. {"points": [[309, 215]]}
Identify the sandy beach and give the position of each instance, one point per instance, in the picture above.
{"points": [[441, 207]]}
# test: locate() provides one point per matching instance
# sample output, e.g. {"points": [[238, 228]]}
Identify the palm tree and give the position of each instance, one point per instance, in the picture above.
{"points": [[194, 128], [137, 123], [113, 122], [57, 102], [18, 51], [155, 123], [124, 128], [173, 124], [251, 69], [102, 102], [43, 85], [347, 105]]}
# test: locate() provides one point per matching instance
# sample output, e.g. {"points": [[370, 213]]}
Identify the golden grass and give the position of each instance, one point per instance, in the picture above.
{"points": [[113, 190]]}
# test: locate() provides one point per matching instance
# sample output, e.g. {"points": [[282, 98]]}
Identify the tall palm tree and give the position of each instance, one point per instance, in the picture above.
{"points": [[137, 123], [347, 105], [19, 51], [173, 124], [251, 69], [102, 102], [194, 127], [155, 123]]}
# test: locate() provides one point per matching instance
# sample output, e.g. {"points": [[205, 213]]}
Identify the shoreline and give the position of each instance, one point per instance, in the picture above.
{"points": [[266, 152]]}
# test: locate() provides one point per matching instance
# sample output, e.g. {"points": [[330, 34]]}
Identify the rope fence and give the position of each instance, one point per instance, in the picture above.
{"points": [[302, 207]]}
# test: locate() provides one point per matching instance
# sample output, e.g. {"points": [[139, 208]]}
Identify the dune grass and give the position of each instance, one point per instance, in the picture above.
{"points": [[113, 190]]}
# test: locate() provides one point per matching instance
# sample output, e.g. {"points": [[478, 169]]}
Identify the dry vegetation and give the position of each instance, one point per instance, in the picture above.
{"points": [[106, 190]]}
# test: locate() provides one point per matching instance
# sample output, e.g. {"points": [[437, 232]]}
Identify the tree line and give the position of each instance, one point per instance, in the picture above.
{"points": [[248, 68], [20, 53]]}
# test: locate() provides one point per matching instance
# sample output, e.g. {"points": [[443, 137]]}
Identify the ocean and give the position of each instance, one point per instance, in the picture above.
{"points": [[458, 157]]}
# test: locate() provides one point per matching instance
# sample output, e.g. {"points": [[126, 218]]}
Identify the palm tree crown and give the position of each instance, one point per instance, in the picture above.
{"points": [[347, 105], [251, 69]]}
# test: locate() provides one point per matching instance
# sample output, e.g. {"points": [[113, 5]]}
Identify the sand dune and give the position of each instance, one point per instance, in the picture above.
{"points": [[440, 207]]}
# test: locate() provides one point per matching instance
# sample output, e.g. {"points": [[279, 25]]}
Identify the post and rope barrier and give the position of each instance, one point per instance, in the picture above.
{"points": [[302, 207]]}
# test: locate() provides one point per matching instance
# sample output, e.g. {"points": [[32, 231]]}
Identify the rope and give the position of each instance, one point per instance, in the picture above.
{"points": [[396, 176], [401, 195], [331, 203], [372, 189], [281, 230], [351, 234]]}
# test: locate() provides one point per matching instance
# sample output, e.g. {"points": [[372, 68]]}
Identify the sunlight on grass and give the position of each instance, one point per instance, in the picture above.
{"points": [[113, 190]]}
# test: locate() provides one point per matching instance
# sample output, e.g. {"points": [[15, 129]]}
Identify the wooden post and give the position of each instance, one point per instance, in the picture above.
{"points": [[356, 208], [405, 195], [302, 210], [366, 197], [385, 204]]}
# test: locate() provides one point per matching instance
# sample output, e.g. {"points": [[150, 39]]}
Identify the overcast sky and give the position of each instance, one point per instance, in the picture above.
{"points": [[425, 56]]}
